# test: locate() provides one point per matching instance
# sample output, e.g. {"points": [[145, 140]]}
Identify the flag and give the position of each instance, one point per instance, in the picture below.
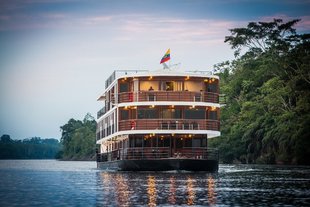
{"points": [[166, 57]]}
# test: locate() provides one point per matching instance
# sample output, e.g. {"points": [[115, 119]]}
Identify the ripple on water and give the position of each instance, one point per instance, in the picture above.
{"points": [[57, 183]]}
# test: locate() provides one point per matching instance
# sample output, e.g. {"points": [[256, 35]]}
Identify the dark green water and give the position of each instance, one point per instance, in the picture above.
{"points": [[57, 183]]}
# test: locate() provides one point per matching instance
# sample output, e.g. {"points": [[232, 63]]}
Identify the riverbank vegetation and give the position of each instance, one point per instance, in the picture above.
{"points": [[32, 148], [78, 139], [267, 86]]}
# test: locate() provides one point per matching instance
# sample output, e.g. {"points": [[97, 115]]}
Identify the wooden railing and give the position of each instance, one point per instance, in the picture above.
{"points": [[169, 124], [146, 153], [189, 96]]}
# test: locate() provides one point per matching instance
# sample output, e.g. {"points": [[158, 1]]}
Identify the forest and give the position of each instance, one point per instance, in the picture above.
{"points": [[32, 148], [78, 139], [266, 118]]}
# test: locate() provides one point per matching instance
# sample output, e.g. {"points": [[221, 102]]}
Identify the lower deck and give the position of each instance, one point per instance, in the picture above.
{"points": [[158, 152]]}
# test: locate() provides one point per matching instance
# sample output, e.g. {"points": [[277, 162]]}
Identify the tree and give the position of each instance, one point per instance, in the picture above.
{"points": [[78, 138], [266, 118]]}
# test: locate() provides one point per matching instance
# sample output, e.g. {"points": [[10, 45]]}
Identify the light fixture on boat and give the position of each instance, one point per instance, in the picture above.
{"points": [[151, 77], [213, 79], [213, 108], [152, 106], [206, 80], [187, 78]]}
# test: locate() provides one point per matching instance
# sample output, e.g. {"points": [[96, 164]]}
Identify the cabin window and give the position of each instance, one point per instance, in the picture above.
{"points": [[164, 142], [147, 142], [124, 114], [123, 87], [203, 142], [136, 141], [169, 86], [179, 143], [171, 114], [188, 143], [197, 142], [147, 114], [211, 88], [194, 114], [213, 115], [178, 86], [172, 86]]}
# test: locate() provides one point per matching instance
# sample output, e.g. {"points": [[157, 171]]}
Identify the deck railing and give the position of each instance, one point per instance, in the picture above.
{"points": [[155, 153], [169, 124], [189, 96]]}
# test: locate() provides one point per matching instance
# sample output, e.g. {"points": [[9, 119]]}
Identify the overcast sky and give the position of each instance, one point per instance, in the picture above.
{"points": [[56, 54]]}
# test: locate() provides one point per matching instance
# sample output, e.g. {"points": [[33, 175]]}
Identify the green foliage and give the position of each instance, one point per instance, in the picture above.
{"points": [[267, 116], [78, 139], [33, 148]]}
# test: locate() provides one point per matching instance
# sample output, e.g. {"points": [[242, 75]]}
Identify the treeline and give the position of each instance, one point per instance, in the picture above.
{"points": [[267, 115], [79, 139], [32, 148]]}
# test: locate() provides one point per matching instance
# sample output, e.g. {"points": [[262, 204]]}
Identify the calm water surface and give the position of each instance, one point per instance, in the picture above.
{"points": [[58, 183]]}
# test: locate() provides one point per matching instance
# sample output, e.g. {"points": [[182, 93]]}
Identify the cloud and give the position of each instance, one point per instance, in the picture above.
{"points": [[96, 20], [177, 29]]}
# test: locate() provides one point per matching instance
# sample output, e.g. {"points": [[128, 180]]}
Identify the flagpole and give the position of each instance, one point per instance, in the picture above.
{"points": [[165, 66]]}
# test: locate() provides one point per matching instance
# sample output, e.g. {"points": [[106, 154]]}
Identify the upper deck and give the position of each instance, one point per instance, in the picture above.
{"points": [[166, 87]]}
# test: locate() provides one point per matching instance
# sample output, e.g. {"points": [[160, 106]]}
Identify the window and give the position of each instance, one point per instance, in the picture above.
{"points": [[124, 114], [124, 87], [212, 88], [171, 114], [213, 115], [172, 86], [169, 86], [136, 141], [188, 143], [178, 86], [147, 114], [197, 142], [194, 114]]}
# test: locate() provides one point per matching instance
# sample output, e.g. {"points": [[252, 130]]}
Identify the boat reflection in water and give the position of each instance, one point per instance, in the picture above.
{"points": [[153, 189], [211, 191]]}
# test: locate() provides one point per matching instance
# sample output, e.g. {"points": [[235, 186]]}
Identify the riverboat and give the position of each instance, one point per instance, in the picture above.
{"points": [[158, 121]]}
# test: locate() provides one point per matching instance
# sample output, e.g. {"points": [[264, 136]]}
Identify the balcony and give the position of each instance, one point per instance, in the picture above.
{"points": [[169, 124], [187, 96]]}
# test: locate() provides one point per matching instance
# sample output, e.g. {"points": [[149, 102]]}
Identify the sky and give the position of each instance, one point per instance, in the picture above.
{"points": [[55, 55]]}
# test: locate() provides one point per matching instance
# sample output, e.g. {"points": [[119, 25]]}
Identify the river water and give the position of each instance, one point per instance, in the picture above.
{"points": [[60, 183]]}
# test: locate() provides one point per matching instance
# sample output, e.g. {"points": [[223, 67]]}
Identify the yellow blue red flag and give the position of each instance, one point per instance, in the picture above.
{"points": [[166, 57]]}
